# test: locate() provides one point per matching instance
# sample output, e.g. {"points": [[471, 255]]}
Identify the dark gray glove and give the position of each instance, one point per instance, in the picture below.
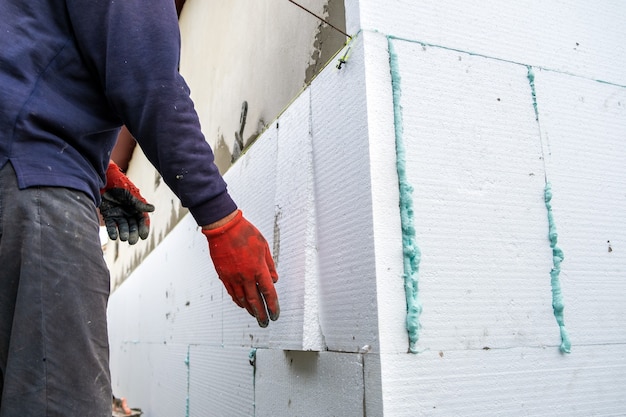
{"points": [[125, 215], [124, 210]]}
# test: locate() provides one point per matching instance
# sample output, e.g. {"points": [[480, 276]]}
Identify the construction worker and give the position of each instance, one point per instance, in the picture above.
{"points": [[71, 73]]}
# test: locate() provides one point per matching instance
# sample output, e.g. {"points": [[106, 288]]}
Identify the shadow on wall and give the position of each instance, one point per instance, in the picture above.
{"points": [[303, 363]]}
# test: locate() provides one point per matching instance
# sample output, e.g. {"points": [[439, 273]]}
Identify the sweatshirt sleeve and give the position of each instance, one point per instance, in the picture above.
{"points": [[132, 48]]}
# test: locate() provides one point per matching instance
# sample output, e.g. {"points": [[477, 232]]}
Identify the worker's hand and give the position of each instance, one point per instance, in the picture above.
{"points": [[244, 263], [124, 210]]}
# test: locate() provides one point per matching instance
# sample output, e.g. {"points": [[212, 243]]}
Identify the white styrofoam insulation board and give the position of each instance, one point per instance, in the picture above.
{"points": [[507, 382], [583, 126], [575, 37], [478, 157], [474, 159], [296, 383]]}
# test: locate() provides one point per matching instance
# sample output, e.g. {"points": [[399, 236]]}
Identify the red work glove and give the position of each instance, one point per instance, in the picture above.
{"points": [[124, 210], [244, 263]]}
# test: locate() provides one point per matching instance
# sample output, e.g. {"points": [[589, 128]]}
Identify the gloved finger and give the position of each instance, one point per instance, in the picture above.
{"points": [[267, 290], [245, 302], [270, 264], [122, 227], [111, 226], [256, 303], [133, 230], [142, 207], [231, 291], [144, 226]]}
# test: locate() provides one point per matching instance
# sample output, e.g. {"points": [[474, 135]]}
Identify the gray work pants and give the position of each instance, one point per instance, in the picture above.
{"points": [[54, 288]]}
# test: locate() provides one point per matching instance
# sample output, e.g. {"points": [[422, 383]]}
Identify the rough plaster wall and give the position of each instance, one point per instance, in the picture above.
{"points": [[478, 156], [262, 52], [574, 37]]}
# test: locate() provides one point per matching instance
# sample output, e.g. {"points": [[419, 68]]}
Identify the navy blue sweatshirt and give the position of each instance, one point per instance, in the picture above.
{"points": [[73, 71]]}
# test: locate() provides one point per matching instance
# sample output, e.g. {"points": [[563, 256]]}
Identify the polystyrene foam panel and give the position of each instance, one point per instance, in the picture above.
{"points": [[577, 37], [519, 381], [221, 382], [309, 384], [153, 377], [344, 207], [473, 156], [583, 124], [174, 296], [299, 326]]}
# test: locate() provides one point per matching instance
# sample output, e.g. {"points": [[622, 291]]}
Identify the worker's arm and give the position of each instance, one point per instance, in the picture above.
{"points": [[125, 141]]}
